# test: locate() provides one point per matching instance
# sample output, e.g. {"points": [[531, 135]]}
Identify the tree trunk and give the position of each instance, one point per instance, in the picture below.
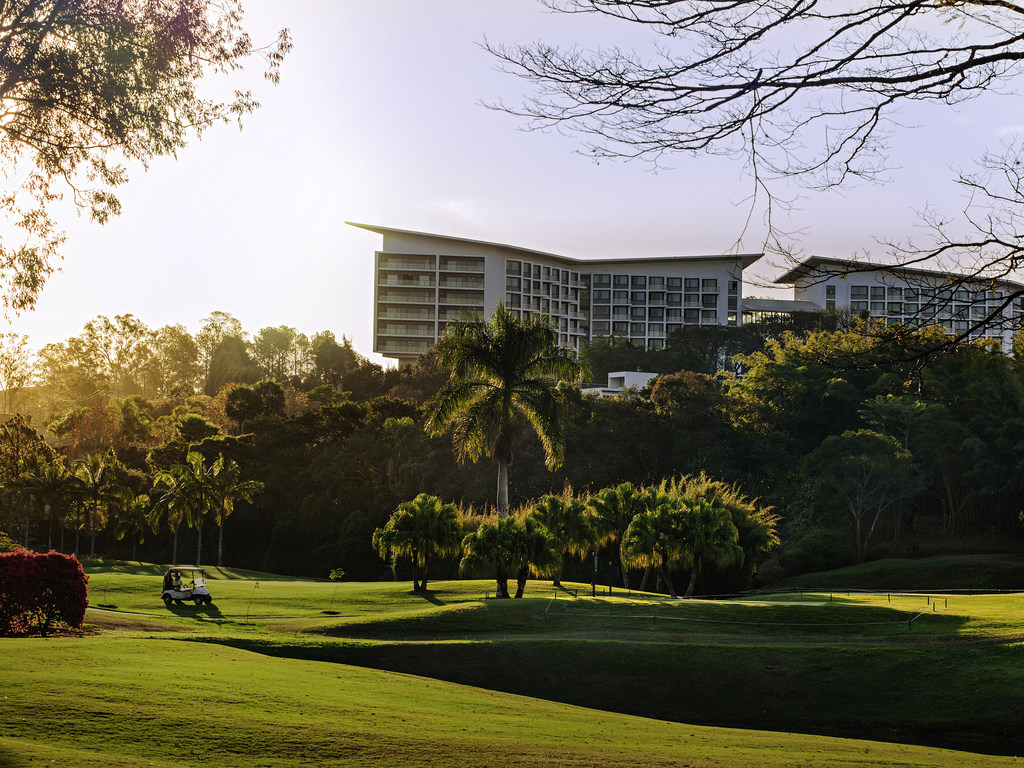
{"points": [[174, 549], [693, 579], [558, 574], [502, 488], [502, 579], [199, 544], [220, 544], [625, 574], [663, 573], [643, 581], [521, 577]]}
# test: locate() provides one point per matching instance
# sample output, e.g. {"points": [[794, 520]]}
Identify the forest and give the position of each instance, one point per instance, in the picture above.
{"points": [[858, 446]]}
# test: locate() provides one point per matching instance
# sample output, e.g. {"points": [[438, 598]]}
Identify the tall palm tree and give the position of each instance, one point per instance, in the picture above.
{"points": [[535, 550], [99, 489], [53, 485], [503, 373], [421, 529], [134, 518], [175, 491], [567, 519], [227, 487], [711, 538], [490, 549]]}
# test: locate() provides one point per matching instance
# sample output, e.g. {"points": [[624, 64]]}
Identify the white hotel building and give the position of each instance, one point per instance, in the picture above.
{"points": [[424, 281]]}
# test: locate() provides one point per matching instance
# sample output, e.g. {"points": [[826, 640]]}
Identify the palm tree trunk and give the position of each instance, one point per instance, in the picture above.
{"points": [[668, 581], [643, 581], [521, 577], [558, 574], [174, 548], [502, 579], [693, 579], [220, 544], [199, 544], [502, 488]]}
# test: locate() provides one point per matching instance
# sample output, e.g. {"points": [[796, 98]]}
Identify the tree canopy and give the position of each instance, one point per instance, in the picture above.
{"points": [[87, 85]]}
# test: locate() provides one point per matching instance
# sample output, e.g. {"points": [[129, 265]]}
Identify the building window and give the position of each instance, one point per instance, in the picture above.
{"points": [[895, 294], [692, 284], [637, 329], [638, 297], [620, 297], [602, 297], [513, 299], [859, 293], [709, 300], [830, 291], [709, 285], [656, 297], [709, 317], [655, 282], [513, 267], [691, 315], [734, 287], [602, 281], [877, 307], [674, 314], [620, 329], [656, 313], [622, 281], [638, 313], [602, 329], [877, 293], [692, 300], [675, 283], [512, 283], [674, 299], [639, 281]]}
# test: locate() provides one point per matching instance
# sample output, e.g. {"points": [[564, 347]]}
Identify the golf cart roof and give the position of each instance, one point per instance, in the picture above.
{"points": [[184, 568]]}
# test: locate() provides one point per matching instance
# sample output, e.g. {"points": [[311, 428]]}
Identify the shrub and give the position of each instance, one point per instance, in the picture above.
{"points": [[41, 589], [819, 550]]}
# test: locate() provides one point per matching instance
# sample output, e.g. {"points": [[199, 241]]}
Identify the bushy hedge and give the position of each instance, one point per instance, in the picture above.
{"points": [[40, 590]]}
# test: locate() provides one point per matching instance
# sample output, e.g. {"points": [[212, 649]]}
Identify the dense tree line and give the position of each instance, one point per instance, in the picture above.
{"points": [[858, 452]]}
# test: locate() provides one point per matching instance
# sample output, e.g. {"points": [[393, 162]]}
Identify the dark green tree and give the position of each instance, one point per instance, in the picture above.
{"points": [[422, 530], [504, 372]]}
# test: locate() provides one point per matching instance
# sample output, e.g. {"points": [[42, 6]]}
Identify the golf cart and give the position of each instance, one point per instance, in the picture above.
{"points": [[185, 582]]}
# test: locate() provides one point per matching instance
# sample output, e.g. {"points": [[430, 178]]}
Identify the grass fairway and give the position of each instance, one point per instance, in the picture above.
{"points": [[287, 672], [104, 701]]}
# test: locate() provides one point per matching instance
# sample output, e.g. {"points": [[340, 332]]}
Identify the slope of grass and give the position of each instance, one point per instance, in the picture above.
{"points": [[130, 701], [948, 572]]}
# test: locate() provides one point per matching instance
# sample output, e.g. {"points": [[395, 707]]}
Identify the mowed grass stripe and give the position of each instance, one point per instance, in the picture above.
{"points": [[183, 704]]}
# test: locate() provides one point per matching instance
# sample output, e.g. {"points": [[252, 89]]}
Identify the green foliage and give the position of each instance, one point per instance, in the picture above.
{"points": [[422, 529]]}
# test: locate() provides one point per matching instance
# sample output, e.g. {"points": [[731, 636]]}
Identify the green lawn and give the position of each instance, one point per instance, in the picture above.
{"points": [[295, 672]]}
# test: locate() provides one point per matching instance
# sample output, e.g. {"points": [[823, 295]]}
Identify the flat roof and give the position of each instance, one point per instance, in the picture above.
{"points": [[808, 267], [746, 258]]}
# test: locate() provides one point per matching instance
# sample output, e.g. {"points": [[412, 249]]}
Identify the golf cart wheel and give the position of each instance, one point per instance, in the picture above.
{"points": [[168, 600], [209, 600], [197, 600], [179, 602]]}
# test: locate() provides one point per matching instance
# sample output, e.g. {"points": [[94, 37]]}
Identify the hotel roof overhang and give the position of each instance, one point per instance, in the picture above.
{"points": [[746, 258], [820, 267], [779, 305]]}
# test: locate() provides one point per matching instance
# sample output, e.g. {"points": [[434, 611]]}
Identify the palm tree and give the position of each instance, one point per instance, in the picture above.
{"points": [[567, 519], [420, 529], [175, 491], [656, 538], [535, 550], [711, 538], [503, 373], [227, 486], [97, 476], [53, 485], [614, 509], [491, 549], [134, 518]]}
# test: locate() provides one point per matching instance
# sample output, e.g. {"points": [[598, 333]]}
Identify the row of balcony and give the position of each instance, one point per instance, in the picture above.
{"points": [[429, 264]]}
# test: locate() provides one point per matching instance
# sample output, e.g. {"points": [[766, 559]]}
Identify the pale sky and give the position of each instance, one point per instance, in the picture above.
{"points": [[378, 119]]}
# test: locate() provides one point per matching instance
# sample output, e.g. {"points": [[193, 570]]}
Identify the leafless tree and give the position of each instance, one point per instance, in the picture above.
{"points": [[798, 89]]}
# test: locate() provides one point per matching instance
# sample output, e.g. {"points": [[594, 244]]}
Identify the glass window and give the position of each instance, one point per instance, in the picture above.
{"points": [[602, 328], [638, 297], [709, 284], [602, 297], [859, 293], [655, 282], [733, 302], [734, 287], [639, 281], [638, 313], [637, 329], [513, 267], [602, 312], [830, 291], [513, 299], [656, 297], [674, 314], [857, 306], [691, 315], [512, 283], [655, 328], [602, 280], [675, 282], [895, 308], [536, 271], [620, 297], [620, 329], [709, 300], [692, 284], [877, 293], [692, 300], [708, 316], [674, 299], [622, 281], [878, 307], [895, 294], [656, 313]]}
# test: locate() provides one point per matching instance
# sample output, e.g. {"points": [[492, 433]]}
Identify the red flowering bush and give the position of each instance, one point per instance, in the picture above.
{"points": [[40, 590]]}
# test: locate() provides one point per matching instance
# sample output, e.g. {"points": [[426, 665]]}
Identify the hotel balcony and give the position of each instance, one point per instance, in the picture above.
{"points": [[407, 262]]}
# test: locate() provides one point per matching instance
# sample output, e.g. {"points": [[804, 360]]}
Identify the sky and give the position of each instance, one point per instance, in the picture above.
{"points": [[379, 118]]}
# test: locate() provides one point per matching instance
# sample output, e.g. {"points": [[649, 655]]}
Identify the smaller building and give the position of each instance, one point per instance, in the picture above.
{"points": [[620, 380]]}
